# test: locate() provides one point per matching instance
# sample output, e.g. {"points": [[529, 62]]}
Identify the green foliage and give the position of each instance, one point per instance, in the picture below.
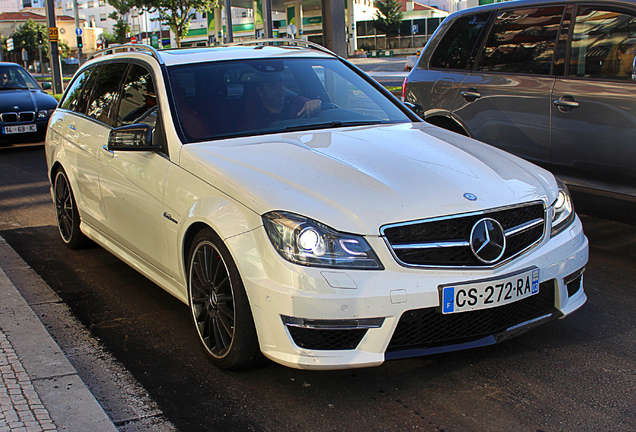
{"points": [[388, 17], [177, 14], [26, 37]]}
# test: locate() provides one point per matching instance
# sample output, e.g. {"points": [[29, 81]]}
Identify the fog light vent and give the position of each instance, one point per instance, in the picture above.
{"points": [[329, 334]]}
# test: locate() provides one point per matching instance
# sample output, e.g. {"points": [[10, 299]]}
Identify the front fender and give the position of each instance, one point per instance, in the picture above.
{"points": [[190, 204]]}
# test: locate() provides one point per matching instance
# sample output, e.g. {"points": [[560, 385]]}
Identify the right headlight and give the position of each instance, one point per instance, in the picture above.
{"points": [[305, 241], [562, 210]]}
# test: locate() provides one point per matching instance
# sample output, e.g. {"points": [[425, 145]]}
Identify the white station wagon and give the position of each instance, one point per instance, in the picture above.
{"points": [[302, 212]]}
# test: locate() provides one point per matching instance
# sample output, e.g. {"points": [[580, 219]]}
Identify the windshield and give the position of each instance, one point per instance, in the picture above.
{"points": [[14, 77], [252, 97]]}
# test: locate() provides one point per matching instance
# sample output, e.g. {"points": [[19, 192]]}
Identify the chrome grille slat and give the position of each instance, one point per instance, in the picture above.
{"points": [[445, 242], [18, 117]]}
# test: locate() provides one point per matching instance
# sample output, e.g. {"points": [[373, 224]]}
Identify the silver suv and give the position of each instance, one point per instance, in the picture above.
{"points": [[550, 81]]}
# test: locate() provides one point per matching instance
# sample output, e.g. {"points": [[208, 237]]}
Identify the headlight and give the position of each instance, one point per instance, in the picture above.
{"points": [[562, 210], [45, 113], [304, 241]]}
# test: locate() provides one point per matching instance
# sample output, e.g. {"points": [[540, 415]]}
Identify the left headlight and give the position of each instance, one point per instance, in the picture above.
{"points": [[562, 210], [304, 241], [45, 113]]}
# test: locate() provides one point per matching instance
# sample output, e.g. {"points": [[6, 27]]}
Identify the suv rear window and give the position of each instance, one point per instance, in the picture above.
{"points": [[522, 41], [456, 47]]}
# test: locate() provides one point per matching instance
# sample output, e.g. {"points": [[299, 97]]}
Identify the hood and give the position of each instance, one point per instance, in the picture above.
{"points": [[358, 179], [25, 100]]}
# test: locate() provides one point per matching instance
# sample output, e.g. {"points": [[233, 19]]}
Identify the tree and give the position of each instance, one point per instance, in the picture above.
{"points": [[177, 14], [121, 27], [26, 37], [388, 17]]}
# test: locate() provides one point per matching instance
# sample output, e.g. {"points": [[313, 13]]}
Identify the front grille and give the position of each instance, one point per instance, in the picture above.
{"points": [[14, 117], [320, 339], [27, 116], [429, 328], [9, 117], [445, 241]]}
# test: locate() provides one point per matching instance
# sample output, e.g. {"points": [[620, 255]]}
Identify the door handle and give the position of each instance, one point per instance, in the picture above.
{"points": [[566, 104], [470, 95]]}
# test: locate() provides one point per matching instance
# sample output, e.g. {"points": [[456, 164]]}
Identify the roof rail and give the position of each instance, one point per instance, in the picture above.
{"points": [[128, 48], [283, 41]]}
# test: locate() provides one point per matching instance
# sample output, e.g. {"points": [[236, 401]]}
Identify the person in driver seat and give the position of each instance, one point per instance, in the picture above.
{"points": [[268, 102]]}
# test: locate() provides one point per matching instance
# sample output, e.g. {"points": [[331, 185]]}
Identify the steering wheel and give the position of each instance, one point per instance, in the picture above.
{"points": [[328, 106]]}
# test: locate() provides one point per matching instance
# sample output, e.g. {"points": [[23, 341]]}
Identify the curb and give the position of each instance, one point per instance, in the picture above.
{"points": [[55, 381]]}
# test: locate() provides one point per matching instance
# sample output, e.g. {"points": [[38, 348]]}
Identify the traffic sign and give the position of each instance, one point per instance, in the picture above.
{"points": [[133, 39], [54, 34], [78, 31]]}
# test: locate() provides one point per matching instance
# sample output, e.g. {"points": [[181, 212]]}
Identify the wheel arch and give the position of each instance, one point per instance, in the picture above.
{"points": [[448, 123], [188, 238]]}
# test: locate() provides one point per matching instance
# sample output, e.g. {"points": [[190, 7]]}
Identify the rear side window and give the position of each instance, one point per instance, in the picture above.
{"points": [[603, 44], [106, 92], [458, 45], [75, 99], [522, 41]]}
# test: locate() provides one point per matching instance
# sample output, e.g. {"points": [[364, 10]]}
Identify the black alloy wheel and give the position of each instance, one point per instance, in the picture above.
{"points": [[219, 304], [68, 219]]}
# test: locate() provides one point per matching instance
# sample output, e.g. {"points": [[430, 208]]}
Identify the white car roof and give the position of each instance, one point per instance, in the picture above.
{"points": [[178, 56]]}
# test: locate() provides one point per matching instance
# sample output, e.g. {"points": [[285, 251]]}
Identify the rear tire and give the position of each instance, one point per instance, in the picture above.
{"points": [[219, 306], [68, 219]]}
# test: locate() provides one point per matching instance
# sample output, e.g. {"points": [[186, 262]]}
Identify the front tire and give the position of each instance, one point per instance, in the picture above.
{"points": [[219, 305], [68, 220]]}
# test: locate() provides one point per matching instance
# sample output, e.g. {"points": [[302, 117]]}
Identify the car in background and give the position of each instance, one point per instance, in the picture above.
{"points": [[302, 212], [550, 81], [25, 108]]}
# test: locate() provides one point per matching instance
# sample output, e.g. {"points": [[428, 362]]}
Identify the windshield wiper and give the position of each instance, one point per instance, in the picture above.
{"points": [[331, 124]]}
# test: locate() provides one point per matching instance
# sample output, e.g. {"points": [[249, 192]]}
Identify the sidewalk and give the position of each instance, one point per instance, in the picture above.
{"points": [[40, 389]]}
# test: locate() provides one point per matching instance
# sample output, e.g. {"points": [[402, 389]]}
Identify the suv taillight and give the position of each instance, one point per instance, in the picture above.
{"points": [[404, 89]]}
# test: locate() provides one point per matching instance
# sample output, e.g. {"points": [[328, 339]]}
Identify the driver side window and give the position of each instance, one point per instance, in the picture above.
{"points": [[139, 102]]}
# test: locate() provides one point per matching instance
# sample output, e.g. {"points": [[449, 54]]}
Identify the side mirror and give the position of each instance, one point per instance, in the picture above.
{"points": [[134, 137], [46, 85], [416, 108]]}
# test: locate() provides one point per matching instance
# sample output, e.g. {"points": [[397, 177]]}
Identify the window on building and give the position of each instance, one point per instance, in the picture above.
{"points": [[102, 17], [80, 5], [91, 3], [91, 20], [69, 6], [102, 2]]}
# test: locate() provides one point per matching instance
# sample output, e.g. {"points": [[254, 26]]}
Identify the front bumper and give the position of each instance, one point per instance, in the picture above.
{"points": [[26, 137], [279, 290]]}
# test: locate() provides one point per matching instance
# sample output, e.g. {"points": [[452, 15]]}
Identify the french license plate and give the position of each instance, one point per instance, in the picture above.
{"points": [[19, 129], [464, 297]]}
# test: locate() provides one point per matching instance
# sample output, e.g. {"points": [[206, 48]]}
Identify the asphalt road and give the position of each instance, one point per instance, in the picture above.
{"points": [[576, 374]]}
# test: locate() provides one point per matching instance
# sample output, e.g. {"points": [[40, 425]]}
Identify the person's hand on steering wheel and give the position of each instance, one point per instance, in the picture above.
{"points": [[310, 109]]}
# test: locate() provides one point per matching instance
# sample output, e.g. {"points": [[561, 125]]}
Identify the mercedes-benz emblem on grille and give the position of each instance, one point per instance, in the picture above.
{"points": [[487, 240]]}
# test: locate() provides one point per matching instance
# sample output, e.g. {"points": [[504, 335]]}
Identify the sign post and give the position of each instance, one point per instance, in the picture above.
{"points": [[56, 70]]}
